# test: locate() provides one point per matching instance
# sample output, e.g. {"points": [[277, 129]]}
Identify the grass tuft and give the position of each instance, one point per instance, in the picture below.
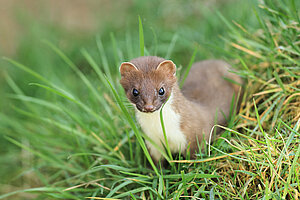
{"points": [[74, 135]]}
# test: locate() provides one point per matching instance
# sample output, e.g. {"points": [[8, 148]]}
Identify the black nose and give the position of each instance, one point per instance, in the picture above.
{"points": [[148, 108]]}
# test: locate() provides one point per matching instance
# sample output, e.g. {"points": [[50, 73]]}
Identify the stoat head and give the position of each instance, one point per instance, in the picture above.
{"points": [[148, 81]]}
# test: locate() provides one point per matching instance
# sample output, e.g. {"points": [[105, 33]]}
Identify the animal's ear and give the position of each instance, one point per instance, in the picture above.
{"points": [[167, 67], [127, 67]]}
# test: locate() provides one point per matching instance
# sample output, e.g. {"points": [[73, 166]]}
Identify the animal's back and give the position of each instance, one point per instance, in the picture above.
{"points": [[206, 85]]}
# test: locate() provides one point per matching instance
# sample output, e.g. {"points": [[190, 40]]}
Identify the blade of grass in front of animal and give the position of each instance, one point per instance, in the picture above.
{"points": [[164, 130], [133, 126]]}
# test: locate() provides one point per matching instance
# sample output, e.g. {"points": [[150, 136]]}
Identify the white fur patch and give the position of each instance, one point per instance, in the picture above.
{"points": [[151, 125]]}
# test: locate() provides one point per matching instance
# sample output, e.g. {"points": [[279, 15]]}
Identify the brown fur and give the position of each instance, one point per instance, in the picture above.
{"points": [[204, 93]]}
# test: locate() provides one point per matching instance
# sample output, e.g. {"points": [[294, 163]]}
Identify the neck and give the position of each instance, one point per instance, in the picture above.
{"points": [[178, 101], [151, 125], [192, 114]]}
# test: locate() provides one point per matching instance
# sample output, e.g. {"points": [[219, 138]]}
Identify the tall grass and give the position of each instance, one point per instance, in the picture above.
{"points": [[83, 142]]}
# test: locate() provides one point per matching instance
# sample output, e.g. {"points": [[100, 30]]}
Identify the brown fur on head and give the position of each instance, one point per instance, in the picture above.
{"points": [[143, 80]]}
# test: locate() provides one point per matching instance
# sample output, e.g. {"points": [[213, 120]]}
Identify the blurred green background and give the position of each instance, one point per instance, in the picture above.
{"points": [[72, 25], [172, 29]]}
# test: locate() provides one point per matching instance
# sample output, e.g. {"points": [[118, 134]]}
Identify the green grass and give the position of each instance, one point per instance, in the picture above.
{"points": [[71, 133]]}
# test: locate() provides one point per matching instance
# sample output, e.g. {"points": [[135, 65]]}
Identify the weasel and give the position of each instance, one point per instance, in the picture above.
{"points": [[189, 113]]}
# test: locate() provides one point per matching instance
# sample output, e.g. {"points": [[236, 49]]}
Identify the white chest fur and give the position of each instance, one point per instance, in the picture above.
{"points": [[151, 125]]}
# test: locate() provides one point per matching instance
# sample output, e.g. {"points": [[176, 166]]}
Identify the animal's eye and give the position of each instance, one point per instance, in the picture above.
{"points": [[135, 92], [161, 91]]}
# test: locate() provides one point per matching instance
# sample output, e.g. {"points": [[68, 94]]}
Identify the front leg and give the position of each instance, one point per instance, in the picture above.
{"points": [[155, 154]]}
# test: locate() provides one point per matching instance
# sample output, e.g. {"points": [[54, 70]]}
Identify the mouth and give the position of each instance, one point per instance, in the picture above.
{"points": [[147, 111]]}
